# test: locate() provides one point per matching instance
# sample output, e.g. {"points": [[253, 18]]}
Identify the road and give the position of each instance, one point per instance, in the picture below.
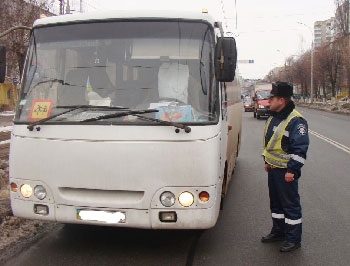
{"points": [[235, 240]]}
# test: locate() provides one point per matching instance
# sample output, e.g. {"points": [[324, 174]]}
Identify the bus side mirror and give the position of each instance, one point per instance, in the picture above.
{"points": [[225, 59], [2, 63]]}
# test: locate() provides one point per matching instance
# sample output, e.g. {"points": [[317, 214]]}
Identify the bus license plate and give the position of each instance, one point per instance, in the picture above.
{"points": [[111, 217]]}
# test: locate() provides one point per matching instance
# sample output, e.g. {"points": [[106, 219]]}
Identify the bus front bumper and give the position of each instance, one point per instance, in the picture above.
{"points": [[189, 218]]}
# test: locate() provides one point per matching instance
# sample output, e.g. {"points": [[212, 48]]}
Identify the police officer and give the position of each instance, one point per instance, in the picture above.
{"points": [[286, 142]]}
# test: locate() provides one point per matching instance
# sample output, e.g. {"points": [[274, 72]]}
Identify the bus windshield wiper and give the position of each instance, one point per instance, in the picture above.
{"points": [[187, 129], [72, 108], [138, 113], [33, 124], [42, 82], [121, 114], [97, 107]]}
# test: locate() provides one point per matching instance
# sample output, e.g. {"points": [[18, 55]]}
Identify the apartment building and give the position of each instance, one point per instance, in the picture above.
{"points": [[324, 31]]}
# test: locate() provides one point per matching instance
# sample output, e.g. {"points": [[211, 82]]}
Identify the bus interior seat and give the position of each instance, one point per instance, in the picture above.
{"points": [[73, 90], [173, 81], [137, 84]]}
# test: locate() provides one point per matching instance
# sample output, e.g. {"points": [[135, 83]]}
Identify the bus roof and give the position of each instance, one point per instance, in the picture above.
{"points": [[124, 14]]}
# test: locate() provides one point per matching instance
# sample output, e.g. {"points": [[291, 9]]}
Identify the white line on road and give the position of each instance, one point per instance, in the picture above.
{"points": [[330, 141]]}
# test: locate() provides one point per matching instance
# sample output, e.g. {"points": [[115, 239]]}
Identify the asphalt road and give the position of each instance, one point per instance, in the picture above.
{"points": [[235, 240]]}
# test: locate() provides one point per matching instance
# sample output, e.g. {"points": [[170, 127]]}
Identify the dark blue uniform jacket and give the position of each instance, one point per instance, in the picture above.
{"points": [[296, 142]]}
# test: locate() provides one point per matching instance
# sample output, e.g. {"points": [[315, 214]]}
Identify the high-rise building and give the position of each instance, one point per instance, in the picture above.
{"points": [[324, 31], [328, 30]]}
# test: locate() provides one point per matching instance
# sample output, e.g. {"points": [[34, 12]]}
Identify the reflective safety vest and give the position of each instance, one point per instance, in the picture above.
{"points": [[273, 153]]}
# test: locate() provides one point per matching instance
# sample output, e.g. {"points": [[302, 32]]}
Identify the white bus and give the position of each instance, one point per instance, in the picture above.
{"points": [[126, 118]]}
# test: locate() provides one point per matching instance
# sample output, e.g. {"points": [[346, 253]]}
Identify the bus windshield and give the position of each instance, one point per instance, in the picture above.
{"points": [[136, 65]]}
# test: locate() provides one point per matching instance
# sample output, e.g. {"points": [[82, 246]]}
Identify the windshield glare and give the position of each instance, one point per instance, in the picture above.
{"points": [[138, 65], [262, 95]]}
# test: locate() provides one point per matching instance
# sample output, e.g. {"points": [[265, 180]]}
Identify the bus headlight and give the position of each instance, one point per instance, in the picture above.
{"points": [[40, 192], [26, 190], [167, 199], [186, 199]]}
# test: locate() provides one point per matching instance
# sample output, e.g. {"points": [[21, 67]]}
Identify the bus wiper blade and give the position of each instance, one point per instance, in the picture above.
{"points": [[187, 129], [121, 114], [72, 108], [44, 81], [33, 124], [93, 107]]}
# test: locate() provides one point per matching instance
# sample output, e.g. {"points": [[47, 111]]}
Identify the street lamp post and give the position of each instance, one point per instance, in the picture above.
{"points": [[312, 63]]}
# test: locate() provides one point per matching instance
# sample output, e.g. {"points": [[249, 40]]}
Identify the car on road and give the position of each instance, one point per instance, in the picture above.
{"points": [[248, 104], [261, 100]]}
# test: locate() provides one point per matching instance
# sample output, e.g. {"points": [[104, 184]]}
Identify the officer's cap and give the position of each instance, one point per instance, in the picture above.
{"points": [[281, 89]]}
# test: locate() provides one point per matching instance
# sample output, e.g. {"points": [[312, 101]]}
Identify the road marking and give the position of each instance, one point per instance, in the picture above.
{"points": [[330, 141]]}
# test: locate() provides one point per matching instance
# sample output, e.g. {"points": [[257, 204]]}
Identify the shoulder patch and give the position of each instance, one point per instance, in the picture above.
{"points": [[302, 129]]}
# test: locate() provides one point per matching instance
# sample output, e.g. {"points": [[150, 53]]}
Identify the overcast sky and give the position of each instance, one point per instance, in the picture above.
{"points": [[266, 31]]}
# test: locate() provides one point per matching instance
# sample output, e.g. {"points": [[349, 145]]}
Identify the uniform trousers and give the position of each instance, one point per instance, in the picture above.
{"points": [[285, 205]]}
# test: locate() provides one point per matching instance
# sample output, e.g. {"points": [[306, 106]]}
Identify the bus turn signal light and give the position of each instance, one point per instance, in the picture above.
{"points": [[204, 196], [14, 187]]}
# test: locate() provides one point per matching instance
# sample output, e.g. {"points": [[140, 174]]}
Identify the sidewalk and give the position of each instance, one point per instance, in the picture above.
{"points": [[340, 107], [6, 118]]}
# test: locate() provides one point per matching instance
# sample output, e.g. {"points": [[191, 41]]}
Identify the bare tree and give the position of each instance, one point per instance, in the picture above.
{"points": [[330, 62], [343, 23], [301, 72], [20, 13], [320, 74], [288, 67], [342, 16]]}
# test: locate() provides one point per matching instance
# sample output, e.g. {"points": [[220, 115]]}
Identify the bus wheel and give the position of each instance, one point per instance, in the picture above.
{"points": [[258, 116], [237, 148], [224, 187], [222, 203]]}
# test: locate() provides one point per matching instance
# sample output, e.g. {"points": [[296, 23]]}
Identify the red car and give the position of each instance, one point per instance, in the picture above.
{"points": [[261, 102]]}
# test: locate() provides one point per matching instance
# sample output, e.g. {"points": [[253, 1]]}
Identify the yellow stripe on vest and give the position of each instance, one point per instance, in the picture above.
{"points": [[273, 153]]}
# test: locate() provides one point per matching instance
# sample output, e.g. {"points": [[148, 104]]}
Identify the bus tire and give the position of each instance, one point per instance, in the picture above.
{"points": [[222, 203], [237, 148], [224, 187]]}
